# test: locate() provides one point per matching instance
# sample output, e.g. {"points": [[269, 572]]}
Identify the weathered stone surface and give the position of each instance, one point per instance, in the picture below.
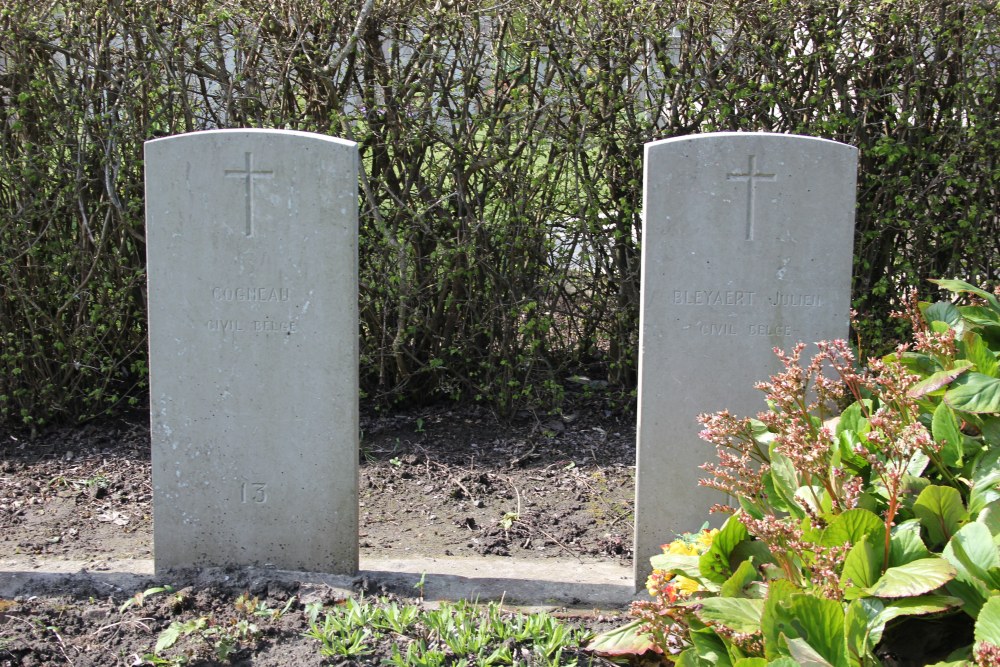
{"points": [[747, 245], [252, 269]]}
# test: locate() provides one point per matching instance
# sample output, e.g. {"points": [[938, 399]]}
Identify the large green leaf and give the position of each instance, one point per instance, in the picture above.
{"points": [[940, 511], [979, 353], [988, 623], [985, 481], [804, 654], [689, 658], [820, 623], [987, 321], [861, 568], [917, 606], [947, 312], [751, 662], [710, 647], [915, 578], [677, 564], [861, 629], [976, 393], [851, 526], [774, 617], [714, 564], [989, 516], [815, 498], [905, 545], [965, 585], [960, 287], [737, 614], [736, 585], [629, 639], [976, 553], [846, 444], [853, 418], [946, 430], [785, 481], [754, 549]]}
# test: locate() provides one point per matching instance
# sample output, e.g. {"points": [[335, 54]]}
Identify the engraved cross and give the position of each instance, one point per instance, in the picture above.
{"points": [[247, 174], [751, 176]]}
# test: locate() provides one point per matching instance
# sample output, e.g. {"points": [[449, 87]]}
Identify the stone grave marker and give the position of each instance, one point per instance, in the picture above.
{"points": [[253, 339], [747, 246]]}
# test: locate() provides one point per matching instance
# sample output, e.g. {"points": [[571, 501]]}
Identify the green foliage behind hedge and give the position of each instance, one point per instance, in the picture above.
{"points": [[502, 149]]}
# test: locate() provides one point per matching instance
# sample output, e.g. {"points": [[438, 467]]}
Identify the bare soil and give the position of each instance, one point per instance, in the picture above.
{"points": [[452, 481]]}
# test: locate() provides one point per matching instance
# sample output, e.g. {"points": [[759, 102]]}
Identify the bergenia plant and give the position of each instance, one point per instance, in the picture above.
{"points": [[849, 526]]}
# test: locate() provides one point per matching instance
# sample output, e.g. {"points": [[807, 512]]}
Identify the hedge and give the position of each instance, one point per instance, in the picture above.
{"points": [[502, 149]]}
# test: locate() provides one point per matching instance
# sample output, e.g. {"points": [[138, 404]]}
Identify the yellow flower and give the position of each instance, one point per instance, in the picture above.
{"points": [[686, 586], [705, 538]]}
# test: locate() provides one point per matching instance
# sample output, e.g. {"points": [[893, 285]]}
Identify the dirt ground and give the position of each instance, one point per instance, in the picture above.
{"points": [[452, 481]]}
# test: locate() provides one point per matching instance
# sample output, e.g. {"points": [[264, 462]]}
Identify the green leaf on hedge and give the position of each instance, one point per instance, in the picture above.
{"points": [[914, 578], [940, 511], [946, 429], [975, 393], [737, 614], [851, 526], [714, 564]]}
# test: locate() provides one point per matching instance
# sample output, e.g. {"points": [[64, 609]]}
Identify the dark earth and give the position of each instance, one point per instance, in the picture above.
{"points": [[450, 481]]}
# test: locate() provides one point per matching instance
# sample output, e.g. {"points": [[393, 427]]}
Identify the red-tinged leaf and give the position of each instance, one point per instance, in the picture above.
{"points": [[629, 639], [938, 380]]}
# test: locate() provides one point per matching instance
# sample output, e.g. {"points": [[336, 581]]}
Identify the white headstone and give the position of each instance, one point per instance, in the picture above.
{"points": [[252, 269], [746, 246]]}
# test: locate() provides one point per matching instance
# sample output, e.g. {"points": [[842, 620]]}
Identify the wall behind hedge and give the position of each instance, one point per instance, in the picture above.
{"points": [[502, 146]]}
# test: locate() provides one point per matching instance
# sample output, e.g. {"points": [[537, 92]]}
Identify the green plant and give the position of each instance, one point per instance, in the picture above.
{"points": [[224, 638], [846, 529], [421, 584], [141, 596], [462, 633], [346, 631]]}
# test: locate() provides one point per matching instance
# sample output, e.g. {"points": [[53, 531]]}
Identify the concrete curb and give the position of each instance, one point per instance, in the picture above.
{"points": [[546, 584]]}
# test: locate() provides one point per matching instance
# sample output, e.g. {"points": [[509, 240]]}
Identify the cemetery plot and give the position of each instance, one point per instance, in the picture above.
{"points": [[438, 484]]}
